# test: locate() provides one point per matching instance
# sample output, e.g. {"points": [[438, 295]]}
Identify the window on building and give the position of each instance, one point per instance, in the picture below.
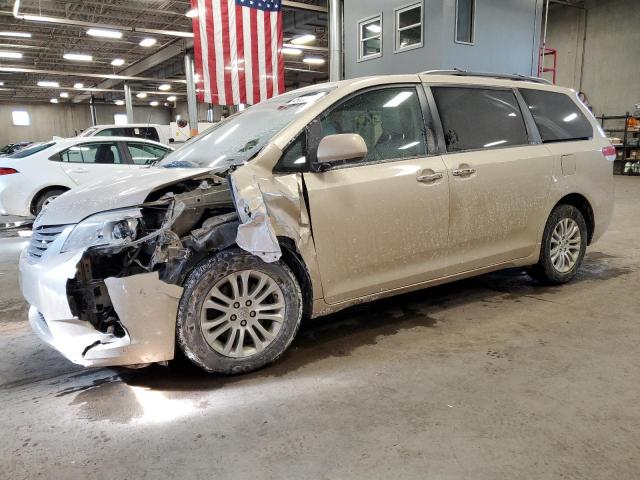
{"points": [[389, 120], [102, 153], [557, 116], [408, 27], [20, 118], [465, 20], [370, 38], [120, 119], [478, 118]]}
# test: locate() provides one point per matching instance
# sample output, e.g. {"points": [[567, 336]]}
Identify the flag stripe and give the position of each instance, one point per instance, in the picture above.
{"points": [[254, 55], [241, 56], [226, 49], [280, 55], [268, 70], [217, 73], [275, 52], [248, 63]]}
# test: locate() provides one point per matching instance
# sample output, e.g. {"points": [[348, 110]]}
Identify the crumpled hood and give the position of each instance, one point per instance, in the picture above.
{"points": [[111, 192]]}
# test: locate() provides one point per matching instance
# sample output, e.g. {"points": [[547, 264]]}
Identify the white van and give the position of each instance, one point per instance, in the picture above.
{"points": [[157, 133]]}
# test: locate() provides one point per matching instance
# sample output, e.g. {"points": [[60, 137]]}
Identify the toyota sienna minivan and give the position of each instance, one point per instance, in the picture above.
{"points": [[313, 201]]}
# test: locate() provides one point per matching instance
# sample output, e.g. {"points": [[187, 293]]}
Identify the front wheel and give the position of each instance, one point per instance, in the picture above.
{"points": [[564, 244], [238, 313]]}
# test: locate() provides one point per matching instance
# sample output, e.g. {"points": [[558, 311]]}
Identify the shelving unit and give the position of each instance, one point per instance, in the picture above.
{"points": [[628, 150]]}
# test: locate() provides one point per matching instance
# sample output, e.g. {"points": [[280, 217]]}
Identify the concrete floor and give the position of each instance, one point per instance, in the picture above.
{"points": [[490, 378]]}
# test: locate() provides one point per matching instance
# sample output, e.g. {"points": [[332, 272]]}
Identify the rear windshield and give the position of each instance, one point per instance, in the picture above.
{"points": [[25, 152], [557, 116]]}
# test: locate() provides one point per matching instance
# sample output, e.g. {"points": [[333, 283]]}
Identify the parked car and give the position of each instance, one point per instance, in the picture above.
{"points": [[32, 177], [13, 147], [157, 133], [311, 202]]}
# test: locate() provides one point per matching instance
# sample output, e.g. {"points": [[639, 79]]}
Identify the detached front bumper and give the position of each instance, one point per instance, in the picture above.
{"points": [[145, 305]]}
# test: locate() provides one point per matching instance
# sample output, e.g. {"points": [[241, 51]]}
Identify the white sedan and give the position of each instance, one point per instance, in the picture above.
{"points": [[34, 176]]}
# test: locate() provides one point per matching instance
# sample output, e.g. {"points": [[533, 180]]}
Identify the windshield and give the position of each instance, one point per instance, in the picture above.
{"points": [[88, 132], [25, 152], [239, 138]]}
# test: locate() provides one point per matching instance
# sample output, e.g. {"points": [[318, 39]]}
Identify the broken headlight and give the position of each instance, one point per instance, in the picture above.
{"points": [[107, 228]]}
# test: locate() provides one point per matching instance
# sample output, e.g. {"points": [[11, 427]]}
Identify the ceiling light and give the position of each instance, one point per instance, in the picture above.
{"points": [[78, 85], [148, 42], [164, 87], [1, 84], [397, 99], [172, 98], [192, 13], [47, 83], [374, 27], [141, 95], [80, 57], [117, 62], [291, 51], [15, 34], [154, 103], [119, 102], [313, 60], [101, 32], [64, 94], [54, 100], [5, 54], [303, 39]]}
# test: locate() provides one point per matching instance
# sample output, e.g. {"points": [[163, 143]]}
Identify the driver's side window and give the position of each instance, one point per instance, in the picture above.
{"points": [[389, 120]]}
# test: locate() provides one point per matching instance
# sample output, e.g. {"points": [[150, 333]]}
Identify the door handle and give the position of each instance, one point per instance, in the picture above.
{"points": [[429, 178], [464, 172]]}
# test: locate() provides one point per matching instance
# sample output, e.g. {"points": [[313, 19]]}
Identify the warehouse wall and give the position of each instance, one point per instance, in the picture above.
{"points": [[506, 38], [65, 120], [610, 72]]}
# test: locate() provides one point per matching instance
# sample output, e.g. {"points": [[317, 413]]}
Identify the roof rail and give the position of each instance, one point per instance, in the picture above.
{"points": [[465, 73]]}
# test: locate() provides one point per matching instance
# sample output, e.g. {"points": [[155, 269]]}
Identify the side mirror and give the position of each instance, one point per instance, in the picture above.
{"points": [[341, 147]]}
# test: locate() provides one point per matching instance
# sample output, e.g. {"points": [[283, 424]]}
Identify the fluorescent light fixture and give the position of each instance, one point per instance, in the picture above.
{"points": [[15, 34], [493, 144], [1, 84], [148, 42], [6, 54], [54, 100], [117, 62], [104, 33], [20, 118], [408, 146], [302, 39], [398, 99], [172, 98], [119, 102], [78, 86], [313, 60], [164, 87], [291, 51], [79, 57], [570, 118], [64, 94], [154, 103], [48, 83], [374, 27], [141, 95], [192, 13]]}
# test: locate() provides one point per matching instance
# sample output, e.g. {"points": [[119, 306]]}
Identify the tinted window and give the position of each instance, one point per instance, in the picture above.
{"points": [[149, 133], [465, 12], [143, 154], [25, 152], [475, 118], [294, 158], [390, 121], [557, 116], [112, 132], [102, 153]]}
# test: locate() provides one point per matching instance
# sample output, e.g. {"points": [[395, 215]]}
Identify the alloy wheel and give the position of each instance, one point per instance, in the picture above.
{"points": [[565, 245]]}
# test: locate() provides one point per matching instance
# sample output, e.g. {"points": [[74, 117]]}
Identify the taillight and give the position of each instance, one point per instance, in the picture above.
{"points": [[7, 171], [609, 152]]}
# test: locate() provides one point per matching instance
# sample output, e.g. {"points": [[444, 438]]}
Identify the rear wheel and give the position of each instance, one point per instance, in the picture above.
{"points": [[238, 313], [564, 244], [45, 198]]}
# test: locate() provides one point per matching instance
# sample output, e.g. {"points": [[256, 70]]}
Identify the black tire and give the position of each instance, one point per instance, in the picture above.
{"points": [[198, 284], [44, 197], [544, 271]]}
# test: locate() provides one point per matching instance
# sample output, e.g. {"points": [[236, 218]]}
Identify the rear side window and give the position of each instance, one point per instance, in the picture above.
{"points": [[25, 152], [557, 116], [149, 133], [479, 118], [112, 132], [102, 153]]}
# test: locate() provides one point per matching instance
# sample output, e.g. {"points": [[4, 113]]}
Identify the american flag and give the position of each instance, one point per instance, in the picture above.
{"points": [[238, 50]]}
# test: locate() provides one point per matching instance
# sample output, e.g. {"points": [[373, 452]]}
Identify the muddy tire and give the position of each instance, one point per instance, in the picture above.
{"points": [[44, 198], [564, 244], [238, 313]]}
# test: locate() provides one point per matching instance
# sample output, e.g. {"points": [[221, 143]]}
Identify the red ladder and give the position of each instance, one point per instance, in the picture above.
{"points": [[544, 52]]}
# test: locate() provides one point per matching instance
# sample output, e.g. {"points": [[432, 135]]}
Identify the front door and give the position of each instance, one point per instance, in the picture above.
{"points": [[380, 223], [499, 180]]}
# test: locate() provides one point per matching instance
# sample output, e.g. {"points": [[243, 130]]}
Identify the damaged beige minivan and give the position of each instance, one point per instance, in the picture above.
{"points": [[313, 201]]}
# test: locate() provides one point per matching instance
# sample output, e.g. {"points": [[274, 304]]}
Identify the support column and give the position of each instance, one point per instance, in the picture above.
{"points": [[92, 109], [335, 40], [192, 106], [128, 102]]}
